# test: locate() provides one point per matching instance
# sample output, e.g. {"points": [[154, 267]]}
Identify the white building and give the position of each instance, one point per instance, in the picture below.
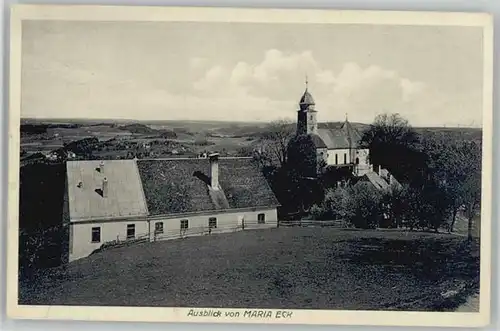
{"points": [[109, 202]]}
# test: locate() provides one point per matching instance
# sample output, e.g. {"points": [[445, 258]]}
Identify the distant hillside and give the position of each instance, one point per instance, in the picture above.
{"points": [[229, 129], [358, 126], [137, 128], [144, 129], [453, 134]]}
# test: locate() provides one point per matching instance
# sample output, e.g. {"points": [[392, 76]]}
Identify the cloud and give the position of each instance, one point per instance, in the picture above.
{"points": [[263, 90], [197, 63], [363, 92]]}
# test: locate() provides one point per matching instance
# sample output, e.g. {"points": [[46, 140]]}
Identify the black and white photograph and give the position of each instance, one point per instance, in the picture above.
{"points": [[248, 169]]}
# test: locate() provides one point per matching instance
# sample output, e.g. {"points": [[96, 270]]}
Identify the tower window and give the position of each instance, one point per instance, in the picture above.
{"points": [[345, 158], [336, 158]]}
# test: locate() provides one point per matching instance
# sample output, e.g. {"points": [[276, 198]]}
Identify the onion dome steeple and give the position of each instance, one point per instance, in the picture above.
{"points": [[306, 115], [307, 101]]}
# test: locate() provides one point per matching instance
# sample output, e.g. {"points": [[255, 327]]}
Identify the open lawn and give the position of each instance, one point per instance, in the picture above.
{"points": [[314, 268]]}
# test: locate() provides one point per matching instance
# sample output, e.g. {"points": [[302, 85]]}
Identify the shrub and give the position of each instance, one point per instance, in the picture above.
{"points": [[363, 207], [336, 201], [318, 212]]}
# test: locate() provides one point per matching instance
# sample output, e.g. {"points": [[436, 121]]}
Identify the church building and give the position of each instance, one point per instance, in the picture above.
{"points": [[337, 145]]}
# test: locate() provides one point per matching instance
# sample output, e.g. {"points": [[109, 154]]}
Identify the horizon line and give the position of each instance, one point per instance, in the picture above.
{"points": [[224, 121]]}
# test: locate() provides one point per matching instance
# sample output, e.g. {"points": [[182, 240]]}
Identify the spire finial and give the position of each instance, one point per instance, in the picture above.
{"points": [[346, 119], [307, 82]]}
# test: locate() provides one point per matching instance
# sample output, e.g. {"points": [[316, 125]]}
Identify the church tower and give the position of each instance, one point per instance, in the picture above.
{"points": [[306, 115]]}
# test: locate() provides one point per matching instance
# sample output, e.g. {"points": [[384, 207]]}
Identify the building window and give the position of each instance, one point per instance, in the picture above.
{"points": [[96, 235], [336, 159], [261, 218], [130, 231], [345, 158], [212, 223], [184, 224], [158, 227], [357, 160]]}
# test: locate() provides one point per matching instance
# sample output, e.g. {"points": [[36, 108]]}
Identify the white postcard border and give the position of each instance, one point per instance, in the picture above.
{"points": [[299, 16]]}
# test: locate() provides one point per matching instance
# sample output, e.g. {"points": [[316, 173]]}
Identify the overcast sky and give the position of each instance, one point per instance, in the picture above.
{"points": [[250, 72]]}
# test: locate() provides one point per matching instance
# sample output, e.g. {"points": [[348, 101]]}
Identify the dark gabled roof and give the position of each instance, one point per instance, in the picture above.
{"points": [[334, 138], [318, 142], [377, 181], [352, 134], [182, 185], [381, 181], [341, 136]]}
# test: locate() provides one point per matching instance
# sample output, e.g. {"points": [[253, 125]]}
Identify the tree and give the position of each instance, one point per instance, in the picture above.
{"points": [[471, 193], [274, 143], [336, 203], [393, 144], [470, 190], [434, 206], [302, 158], [363, 207], [455, 167], [301, 169]]}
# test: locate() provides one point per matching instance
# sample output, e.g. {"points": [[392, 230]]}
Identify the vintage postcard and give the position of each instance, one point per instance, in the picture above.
{"points": [[250, 165]]}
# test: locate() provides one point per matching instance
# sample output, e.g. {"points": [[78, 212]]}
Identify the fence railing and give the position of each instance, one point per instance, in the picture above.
{"points": [[121, 241], [156, 235], [313, 223]]}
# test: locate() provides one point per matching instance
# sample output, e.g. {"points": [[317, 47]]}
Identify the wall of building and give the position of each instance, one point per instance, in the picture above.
{"points": [[226, 222], [80, 234], [363, 156], [340, 156]]}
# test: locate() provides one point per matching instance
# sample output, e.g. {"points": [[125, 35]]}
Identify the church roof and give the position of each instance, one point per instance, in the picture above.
{"points": [[318, 141], [352, 134], [341, 136], [333, 138]]}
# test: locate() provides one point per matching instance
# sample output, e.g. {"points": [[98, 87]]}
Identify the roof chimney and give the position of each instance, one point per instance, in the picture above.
{"points": [[105, 187], [101, 167], [214, 171]]}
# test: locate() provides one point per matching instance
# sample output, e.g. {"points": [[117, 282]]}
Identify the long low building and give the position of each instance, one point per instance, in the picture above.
{"points": [[116, 201]]}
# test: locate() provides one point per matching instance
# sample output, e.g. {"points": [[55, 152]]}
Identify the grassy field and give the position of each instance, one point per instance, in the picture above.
{"points": [[315, 268]]}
